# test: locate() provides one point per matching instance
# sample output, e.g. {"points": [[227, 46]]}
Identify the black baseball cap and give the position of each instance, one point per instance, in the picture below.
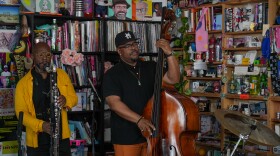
{"points": [[124, 37]]}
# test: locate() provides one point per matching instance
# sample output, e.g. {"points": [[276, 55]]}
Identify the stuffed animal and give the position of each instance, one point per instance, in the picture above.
{"points": [[101, 8]]}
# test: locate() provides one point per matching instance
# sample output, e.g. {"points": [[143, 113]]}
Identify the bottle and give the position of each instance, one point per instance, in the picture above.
{"points": [[218, 50], [212, 54], [54, 36], [263, 83], [254, 85], [232, 85], [88, 8], [246, 85]]}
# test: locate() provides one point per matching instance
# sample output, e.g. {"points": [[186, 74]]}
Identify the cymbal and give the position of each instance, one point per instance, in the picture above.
{"points": [[238, 123]]}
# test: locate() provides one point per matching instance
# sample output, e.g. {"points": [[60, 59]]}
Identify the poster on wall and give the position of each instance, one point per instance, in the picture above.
{"points": [[5, 39], [9, 15], [7, 101], [122, 10]]}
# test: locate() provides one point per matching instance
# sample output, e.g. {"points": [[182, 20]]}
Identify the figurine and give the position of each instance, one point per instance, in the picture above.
{"points": [[6, 72], [101, 8]]}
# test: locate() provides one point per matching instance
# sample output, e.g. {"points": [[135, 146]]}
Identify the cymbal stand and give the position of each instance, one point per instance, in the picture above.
{"points": [[241, 137], [244, 137]]}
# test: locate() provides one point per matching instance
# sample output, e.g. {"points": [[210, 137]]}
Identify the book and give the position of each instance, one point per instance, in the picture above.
{"points": [[7, 101], [82, 131], [82, 101]]}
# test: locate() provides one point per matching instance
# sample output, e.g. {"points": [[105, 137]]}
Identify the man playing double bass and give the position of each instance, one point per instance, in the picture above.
{"points": [[127, 87]]}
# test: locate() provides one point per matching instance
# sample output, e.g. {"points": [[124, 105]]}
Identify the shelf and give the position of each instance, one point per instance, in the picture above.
{"points": [[245, 97], [275, 120], [244, 32], [209, 32], [275, 98], [213, 63], [242, 2], [80, 112], [199, 143], [242, 49], [216, 95], [204, 78], [244, 65], [207, 113]]}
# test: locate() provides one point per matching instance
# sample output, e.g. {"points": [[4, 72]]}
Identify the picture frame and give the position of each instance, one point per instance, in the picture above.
{"points": [[9, 14], [82, 101], [45, 6], [7, 101], [6, 37]]}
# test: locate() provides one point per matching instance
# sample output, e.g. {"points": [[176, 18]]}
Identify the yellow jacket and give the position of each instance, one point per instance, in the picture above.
{"points": [[24, 103]]}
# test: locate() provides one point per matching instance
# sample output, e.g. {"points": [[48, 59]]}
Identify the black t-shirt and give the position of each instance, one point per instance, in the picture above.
{"points": [[120, 81]]}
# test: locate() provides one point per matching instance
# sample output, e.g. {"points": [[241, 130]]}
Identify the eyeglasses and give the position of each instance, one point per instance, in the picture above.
{"points": [[44, 55], [134, 44], [143, 10]]}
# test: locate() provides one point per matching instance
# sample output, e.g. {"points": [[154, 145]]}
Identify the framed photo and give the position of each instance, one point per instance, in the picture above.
{"points": [[7, 101], [9, 15], [82, 101], [5, 39], [10, 2], [45, 6]]}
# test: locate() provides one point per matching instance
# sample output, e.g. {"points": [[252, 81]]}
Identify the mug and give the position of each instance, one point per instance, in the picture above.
{"points": [[238, 59]]}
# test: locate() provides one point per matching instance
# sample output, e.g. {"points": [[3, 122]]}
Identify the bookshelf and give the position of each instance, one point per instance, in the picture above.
{"points": [[272, 101]]}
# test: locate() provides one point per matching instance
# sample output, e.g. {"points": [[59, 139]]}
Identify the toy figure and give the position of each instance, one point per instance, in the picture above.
{"points": [[216, 86], [101, 8], [6, 72]]}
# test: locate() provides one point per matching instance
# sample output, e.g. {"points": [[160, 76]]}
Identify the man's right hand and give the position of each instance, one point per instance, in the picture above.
{"points": [[47, 127]]}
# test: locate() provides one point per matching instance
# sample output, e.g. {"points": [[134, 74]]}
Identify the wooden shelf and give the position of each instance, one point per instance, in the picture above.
{"points": [[275, 98], [213, 63], [242, 2], [244, 65], [242, 49], [249, 97], [204, 78], [216, 95], [207, 113], [244, 32], [199, 143], [275, 120]]}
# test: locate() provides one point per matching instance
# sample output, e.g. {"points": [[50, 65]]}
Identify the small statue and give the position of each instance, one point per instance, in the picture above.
{"points": [[101, 8]]}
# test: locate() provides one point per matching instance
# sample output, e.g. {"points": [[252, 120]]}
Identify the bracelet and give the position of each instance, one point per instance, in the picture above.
{"points": [[139, 120], [171, 54]]}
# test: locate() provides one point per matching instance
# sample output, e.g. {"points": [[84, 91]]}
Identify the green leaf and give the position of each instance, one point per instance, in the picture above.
{"points": [[182, 30], [177, 42], [184, 20]]}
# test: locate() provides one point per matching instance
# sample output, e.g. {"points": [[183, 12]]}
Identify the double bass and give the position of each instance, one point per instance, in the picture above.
{"points": [[175, 116]]}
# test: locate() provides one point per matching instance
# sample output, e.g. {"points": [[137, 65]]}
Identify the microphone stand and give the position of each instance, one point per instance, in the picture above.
{"points": [[19, 134], [99, 99]]}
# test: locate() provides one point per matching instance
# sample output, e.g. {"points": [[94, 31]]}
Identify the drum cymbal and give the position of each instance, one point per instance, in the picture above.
{"points": [[238, 123]]}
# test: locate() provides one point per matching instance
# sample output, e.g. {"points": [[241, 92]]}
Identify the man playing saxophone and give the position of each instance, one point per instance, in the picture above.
{"points": [[32, 97]]}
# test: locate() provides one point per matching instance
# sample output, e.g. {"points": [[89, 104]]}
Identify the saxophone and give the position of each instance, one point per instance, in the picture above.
{"points": [[55, 111]]}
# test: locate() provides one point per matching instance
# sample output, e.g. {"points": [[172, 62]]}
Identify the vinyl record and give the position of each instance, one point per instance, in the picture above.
{"points": [[28, 5]]}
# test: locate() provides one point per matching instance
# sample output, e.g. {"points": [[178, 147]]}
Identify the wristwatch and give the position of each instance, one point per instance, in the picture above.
{"points": [[171, 54]]}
